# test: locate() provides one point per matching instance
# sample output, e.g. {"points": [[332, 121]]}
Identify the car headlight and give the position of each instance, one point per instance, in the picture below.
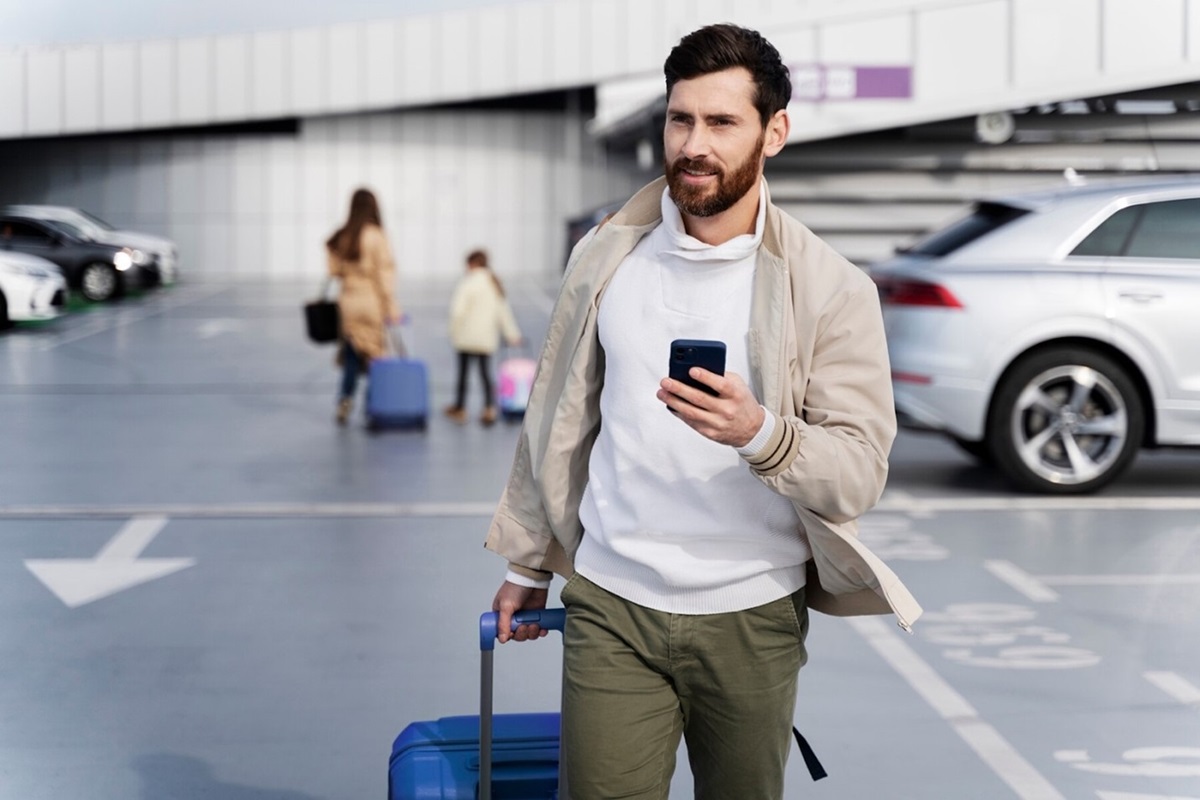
{"points": [[122, 260], [138, 257]]}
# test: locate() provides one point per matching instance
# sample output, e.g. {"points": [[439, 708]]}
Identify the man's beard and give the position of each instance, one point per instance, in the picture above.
{"points": [[706, 201]]}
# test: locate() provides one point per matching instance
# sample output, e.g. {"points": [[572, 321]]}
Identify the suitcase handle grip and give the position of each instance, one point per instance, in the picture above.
{"points": [[552, 619], [549, 618]]}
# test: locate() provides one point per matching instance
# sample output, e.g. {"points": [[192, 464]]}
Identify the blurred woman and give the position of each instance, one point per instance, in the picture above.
{"points": [[360, 257]]}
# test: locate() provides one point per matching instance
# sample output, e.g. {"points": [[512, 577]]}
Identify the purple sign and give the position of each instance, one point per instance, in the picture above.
{"points": [[819, 83]]}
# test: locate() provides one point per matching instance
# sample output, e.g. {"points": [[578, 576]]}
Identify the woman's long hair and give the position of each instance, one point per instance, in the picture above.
{"points": [[364, 209]]}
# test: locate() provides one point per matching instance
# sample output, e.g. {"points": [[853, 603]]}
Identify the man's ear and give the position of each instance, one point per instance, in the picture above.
{"points": [[776, 134]]}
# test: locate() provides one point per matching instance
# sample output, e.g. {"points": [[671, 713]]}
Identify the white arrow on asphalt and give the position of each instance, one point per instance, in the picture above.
{"points": [[78, 581]]}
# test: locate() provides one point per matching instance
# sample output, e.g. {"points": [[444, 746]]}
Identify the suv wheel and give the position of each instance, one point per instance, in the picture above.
{"points": [[98, 282], [5, 322], [1065, 421]]}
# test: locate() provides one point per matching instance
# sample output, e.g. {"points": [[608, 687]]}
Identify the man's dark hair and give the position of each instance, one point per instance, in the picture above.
{"points": [[720, 47]]}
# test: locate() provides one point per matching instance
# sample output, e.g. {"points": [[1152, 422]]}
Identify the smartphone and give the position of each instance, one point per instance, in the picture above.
{"points": [[688, 353]]}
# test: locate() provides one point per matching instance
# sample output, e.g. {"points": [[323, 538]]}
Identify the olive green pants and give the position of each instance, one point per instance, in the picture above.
{"points": [[636, 680]]}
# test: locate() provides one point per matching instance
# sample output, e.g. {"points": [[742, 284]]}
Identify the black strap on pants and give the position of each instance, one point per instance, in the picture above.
{"points": [[810, 758]]}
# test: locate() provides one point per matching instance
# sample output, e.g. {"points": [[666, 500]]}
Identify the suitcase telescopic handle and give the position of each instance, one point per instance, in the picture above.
{"points": [[552, 619], [549, 618]]}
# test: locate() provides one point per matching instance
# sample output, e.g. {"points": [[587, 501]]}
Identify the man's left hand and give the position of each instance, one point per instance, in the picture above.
{"points": [[733, 417]]}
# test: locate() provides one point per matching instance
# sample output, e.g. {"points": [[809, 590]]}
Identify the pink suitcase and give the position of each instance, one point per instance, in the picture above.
{"points": [[516, 379]]}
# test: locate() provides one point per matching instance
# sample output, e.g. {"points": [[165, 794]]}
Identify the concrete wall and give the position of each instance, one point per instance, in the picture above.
{"points": [[426, 59], [965, 56], [261, 205]]}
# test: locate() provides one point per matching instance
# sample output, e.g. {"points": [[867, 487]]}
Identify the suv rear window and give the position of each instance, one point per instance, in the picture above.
{"points": [[983, 219]]}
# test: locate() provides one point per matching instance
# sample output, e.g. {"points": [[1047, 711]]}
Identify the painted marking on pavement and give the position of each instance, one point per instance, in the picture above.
{"points": [[901, 502], [1128, 796], [215, 327], [904, 504], [1033, 588], [985, 740], [1037, 587], [255, 510], [1144, 762], [1182, 579], [128, 317], [1176, 686], [79, 581]]}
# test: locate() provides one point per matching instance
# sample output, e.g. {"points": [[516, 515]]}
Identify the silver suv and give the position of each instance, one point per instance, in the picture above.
{"points": [[1054, 333]]}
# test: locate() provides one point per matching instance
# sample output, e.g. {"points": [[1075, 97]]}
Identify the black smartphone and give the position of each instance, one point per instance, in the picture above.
{"points": [[688, 353]]}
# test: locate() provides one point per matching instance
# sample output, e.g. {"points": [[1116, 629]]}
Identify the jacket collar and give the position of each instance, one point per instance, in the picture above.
{"points": [[772, 292], [645, 208]]}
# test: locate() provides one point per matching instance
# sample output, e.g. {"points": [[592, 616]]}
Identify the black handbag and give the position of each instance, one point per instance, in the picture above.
{"points": [[321, 318]]}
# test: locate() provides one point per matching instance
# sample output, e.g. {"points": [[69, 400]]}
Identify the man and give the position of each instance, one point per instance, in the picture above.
{"points": [[695, 541]]}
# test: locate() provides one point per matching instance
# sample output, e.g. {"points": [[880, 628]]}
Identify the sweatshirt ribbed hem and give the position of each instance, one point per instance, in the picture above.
{"points": [[639, 584]]}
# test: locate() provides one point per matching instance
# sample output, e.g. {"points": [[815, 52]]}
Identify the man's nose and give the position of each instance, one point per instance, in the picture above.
{"points": [[696, 145]]}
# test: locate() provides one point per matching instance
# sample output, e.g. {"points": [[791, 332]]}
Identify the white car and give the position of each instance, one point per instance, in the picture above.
{"points": [[30, 288], [164, 254], [1054, 333]]}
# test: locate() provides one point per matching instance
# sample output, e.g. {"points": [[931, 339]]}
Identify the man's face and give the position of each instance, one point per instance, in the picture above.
{"points": [[713, 142]]}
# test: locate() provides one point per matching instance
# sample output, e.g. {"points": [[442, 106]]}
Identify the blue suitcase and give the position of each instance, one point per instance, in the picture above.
{"points": [[397, 393], [503, 756]]}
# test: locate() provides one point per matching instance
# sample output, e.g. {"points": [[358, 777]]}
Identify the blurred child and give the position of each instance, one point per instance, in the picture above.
{"points": [[479, 314]]}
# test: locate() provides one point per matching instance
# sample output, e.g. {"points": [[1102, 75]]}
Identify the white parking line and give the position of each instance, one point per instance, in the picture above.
{"points": [[1022, 581], [1128, 796], [1037, 587], [905, 503], [129, 317], [1122, 580], [896, 504], [254, 510], [1176, 686], [985, 740]]}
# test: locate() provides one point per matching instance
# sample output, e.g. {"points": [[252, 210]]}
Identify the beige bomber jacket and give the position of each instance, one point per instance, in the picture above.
{"points": [[818, 361]]}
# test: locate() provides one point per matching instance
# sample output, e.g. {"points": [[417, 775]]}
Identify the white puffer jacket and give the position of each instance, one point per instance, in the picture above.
{"points": [[479, 314]]}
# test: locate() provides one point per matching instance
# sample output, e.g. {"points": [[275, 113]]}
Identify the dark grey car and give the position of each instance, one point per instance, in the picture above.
{"points": [[99, 271]]}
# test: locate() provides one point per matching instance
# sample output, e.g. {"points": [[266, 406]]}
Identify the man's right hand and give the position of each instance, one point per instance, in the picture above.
{"points": [[513, 598]]}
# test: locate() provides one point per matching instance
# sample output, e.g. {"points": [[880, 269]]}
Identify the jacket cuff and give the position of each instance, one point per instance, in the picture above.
{"points": [[779, 451], [524, 576]]}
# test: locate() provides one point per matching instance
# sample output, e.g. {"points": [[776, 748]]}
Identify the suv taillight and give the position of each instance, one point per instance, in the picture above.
{"points": [[911, 292]]}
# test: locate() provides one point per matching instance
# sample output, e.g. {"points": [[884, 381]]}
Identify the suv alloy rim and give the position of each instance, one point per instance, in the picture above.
{"points": [[1069, 425]]}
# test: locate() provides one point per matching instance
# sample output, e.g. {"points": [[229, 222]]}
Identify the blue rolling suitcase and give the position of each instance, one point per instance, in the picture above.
{"points": [[503, 756], [397, 390], [397, 393]]}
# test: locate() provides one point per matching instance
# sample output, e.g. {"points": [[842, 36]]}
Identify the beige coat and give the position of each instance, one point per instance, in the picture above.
{"points": [[479, 314], [818, 359], [368, 296]]}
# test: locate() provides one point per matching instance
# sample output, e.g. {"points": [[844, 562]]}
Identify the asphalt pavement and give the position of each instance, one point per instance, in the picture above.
{"points": [[209, 590]]}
